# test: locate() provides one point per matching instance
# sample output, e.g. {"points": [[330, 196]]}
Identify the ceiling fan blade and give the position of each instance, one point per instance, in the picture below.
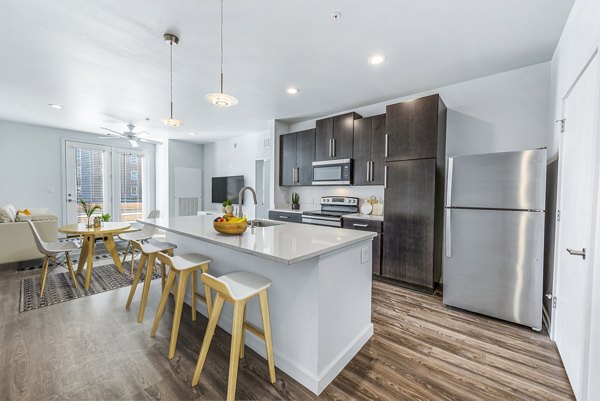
{"points": [[134, 143], [112, 132], [150, 141]]}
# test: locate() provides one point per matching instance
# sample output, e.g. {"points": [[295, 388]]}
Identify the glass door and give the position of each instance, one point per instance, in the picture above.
{"points": [[87, 178], [132, 185]]}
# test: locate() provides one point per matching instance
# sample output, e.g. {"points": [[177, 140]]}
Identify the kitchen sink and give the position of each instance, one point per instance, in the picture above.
{"points": [[265, 223]]}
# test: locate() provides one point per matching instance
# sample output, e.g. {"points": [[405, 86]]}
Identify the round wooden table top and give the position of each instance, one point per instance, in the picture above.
{"points": [[106, 228]]}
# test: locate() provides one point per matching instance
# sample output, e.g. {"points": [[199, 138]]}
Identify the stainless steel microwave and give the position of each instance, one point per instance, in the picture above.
{"points": [[332, 172]]}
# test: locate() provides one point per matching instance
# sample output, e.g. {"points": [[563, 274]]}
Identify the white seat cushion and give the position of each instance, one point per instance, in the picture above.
{"points": [[64, 246], [189, 260], [243, 285], [154, 247], [135, 236]]}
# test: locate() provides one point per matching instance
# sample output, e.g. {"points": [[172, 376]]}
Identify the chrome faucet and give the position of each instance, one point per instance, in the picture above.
{"points": [[241, 198]]}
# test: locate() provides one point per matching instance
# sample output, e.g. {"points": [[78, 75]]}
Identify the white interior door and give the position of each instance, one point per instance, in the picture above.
{"points": [[88, 177], [578, 160]]}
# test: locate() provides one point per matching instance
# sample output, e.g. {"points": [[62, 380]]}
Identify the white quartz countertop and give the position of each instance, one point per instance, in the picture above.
{"points": [[363, 217], [286, 243]]}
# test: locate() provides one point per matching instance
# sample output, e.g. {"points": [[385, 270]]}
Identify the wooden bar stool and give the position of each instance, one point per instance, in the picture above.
{"points": [[183, 266], [149, 252], [237, 288]]}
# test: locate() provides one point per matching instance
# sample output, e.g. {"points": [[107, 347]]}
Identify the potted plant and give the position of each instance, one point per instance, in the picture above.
{"points": [[295, 200], [105, 217], [228, 206], [88, 209]]}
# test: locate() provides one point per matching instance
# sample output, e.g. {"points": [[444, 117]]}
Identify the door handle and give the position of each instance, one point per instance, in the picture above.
{"points": [[576, 252], [385, 177], [386, 145]]}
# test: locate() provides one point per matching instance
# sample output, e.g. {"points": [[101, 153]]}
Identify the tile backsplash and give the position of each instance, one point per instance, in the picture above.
{"points": [[311, 196]]}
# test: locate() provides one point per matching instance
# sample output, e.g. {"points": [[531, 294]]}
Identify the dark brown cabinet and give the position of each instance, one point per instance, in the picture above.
{"points": [[335, 137], [297, 152], [409, 221], [416, 129], [414, 192], [369, 150], [369, 225]]}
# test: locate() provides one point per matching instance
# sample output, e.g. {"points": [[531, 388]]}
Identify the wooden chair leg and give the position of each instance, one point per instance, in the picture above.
{"points": [[163, 302], [264, 310], [208, 335], [136, 280], [132, 259], [208, 295], [243, 340], [146, 290], [163, 276], [183, 276], [44, 275], [70, 267], [193, 296], [234, 358], [126, 253]]}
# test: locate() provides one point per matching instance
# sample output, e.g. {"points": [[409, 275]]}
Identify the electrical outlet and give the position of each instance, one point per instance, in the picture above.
{"points": [[364, 255]]}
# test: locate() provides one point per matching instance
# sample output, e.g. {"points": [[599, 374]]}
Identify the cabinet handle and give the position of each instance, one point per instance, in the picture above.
{"points": [[334, 143], [385, 177], [368, 171], [372, 173], [386, 145], [297, 174], [284, 217], [330, 146], [360, 225]]}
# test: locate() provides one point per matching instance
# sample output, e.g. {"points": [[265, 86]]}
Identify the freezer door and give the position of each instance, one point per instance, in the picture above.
{"points": [[508, 180], [493, 263]]}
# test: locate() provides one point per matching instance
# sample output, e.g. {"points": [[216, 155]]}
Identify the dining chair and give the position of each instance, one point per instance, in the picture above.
{"points": [[50, 250], [143, 235]]}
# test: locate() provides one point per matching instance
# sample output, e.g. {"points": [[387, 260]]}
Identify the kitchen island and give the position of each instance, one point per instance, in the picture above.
{"points": [[320, 300]]}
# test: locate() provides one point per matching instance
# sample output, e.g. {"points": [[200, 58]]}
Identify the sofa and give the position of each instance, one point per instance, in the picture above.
{"points": [[16, 239]]}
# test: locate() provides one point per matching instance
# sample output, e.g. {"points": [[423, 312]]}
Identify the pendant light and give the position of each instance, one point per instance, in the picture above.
{"points": [[219, 98], [170, 121]]}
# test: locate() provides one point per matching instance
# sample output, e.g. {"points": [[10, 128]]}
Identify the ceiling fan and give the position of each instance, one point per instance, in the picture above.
{"points": [[133, 137]]}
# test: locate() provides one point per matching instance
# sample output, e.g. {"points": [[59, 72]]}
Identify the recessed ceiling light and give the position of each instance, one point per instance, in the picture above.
{"points": [[55, 106], [192, 134], [376, 59], [292, 91]]}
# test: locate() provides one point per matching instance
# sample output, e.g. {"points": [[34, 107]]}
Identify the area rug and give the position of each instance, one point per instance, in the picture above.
{"points": [[100, 253], [60, 288]]}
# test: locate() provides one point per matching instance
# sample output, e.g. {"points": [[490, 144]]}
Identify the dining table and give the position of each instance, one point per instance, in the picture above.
{"points": [[90, 234]]}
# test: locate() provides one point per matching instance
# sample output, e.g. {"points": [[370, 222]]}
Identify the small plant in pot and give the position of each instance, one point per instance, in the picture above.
{"points": [[89, 210], [228, 206], [105, 217], [295, 201]]}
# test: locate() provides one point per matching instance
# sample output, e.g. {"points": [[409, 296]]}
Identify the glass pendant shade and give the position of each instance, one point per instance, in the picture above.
{"points": [[221, 99]]}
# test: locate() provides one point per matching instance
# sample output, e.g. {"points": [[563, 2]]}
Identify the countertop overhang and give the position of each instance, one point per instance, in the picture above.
{"points": [[286, 243]]}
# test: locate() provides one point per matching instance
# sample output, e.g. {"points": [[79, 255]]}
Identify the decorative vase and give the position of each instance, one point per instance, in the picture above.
{"points": [[295, 206], [89, 225]]}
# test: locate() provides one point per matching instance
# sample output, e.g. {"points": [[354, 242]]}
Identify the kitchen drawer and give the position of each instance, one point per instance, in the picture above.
{"points": [[364, 225], [285, 216]]}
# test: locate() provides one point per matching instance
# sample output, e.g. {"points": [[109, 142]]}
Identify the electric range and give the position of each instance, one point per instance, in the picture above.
{"points": [[333, 208]]}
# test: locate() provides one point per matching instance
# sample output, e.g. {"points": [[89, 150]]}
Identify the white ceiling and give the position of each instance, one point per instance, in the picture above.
{"points": [[106, 62]]}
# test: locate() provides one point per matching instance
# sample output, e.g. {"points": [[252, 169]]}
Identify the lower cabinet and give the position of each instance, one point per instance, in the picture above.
{"points": [[369, 225], [289, 217]]}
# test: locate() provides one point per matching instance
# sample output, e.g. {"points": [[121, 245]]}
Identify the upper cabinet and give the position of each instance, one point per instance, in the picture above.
{"points": [[416, 129], [335, 137], [297, 152], [369, 150]]}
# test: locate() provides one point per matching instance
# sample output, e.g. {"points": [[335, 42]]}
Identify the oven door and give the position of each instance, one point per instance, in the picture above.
{"points": [[322, 220], [332, 172]]}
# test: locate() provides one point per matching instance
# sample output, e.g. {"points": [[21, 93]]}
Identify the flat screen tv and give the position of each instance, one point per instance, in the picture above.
{"points": [[224, 188]]}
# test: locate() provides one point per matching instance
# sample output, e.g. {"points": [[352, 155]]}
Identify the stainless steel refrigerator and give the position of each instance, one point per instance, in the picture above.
{"points": [[494, 235]]}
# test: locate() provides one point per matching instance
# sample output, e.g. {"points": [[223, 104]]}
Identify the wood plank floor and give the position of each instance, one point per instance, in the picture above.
{"points": [[93, 349]]}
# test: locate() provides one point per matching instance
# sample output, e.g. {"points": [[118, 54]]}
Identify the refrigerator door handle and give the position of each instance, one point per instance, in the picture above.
{"points": [[448, 236], [449, 186]]}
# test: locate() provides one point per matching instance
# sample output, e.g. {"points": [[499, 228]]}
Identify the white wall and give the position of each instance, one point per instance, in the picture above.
{"points": [[182, 154], [32, 165], [507, 111], [581, 36], [235, 156]]}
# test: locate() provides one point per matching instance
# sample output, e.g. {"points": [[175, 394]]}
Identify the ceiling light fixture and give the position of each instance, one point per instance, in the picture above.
{"points": [[55, 106], [219, 98], [376, 59], [192, 134], [170, 121], [292, 91]]}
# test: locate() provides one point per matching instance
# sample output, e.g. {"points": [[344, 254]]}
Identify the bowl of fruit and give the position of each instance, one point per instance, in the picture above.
{"points": [[230, 225]]}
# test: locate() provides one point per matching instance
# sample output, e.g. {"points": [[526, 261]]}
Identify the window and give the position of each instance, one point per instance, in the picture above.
{"points": [[133, 175], [134, 190], [133, 159]]}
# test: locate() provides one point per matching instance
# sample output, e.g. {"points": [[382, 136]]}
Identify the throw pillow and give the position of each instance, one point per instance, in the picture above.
{"points": [[4, 218], [12, 212]]}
